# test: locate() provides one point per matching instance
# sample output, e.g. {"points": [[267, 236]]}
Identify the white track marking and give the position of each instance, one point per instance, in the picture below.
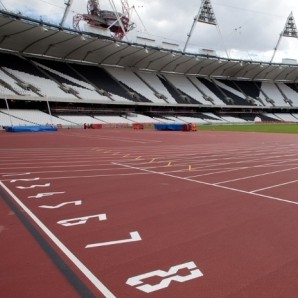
{"points": [[34, 186], [258, 175], [13, 174], [210, 184], [274, 186], [90, 276], [72, 171], [76, 203], [24, 180], [111, 138], [134, 237], [89, 176]]}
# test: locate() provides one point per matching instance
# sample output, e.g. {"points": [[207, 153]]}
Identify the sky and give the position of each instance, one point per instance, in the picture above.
{"points": [[246, 29]]}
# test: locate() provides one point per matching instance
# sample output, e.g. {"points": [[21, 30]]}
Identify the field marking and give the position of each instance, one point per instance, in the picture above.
{"points": [[274, 186], [13, 174], [90, 276], [210, 184], [82, 177], [57, 166], [258, 175], [95, 137]]}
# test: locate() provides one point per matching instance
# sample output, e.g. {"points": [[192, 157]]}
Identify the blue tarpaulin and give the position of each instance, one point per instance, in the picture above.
{"points": [[30, 128], [173, 127]]}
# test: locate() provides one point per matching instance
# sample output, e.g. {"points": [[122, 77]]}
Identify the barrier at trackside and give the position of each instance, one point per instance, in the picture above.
{"points": [[138, 126], [176, 127], [36, 128], [93, 126]]}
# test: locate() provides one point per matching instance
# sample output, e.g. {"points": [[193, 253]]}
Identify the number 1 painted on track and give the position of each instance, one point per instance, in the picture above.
{"points": [[134, 236]]}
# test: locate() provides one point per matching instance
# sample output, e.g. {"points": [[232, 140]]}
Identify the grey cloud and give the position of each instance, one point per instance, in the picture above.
{"points": [[245, 26]]}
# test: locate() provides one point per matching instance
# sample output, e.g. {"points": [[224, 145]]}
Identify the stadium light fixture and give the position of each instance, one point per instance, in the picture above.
{"points": [[44, 29]]}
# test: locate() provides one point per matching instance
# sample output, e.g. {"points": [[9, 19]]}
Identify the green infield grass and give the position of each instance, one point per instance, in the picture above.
{"points": [[268, 127]]}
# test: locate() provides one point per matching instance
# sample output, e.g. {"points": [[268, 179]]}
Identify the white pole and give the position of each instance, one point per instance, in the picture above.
{"points": [[49, 109], [8, 111]]}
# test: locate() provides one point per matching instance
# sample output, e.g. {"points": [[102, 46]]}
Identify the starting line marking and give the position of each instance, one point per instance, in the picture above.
{"points": [[209, 184], [90, 276]]}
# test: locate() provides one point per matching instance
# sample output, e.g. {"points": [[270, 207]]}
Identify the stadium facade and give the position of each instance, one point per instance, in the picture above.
{"points": [[61, 71]]}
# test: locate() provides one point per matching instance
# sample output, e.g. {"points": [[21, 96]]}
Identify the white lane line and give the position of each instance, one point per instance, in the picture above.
{"points": [[82, 177], [13, 174], [210, 184], [140, 141], [258, 175], [90, 276], [274, 186]]}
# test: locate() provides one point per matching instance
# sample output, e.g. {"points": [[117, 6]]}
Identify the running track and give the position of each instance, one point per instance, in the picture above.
{"points": [[120, 213]]}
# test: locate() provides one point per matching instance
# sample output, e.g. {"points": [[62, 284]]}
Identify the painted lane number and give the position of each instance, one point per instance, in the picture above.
{"points": [[167, 277]]}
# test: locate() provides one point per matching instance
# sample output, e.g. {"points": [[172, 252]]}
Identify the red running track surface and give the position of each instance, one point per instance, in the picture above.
{"points": [[125, 213]]}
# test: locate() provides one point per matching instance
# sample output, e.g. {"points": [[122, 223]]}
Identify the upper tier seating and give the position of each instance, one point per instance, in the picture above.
{"points": [[154, 81], [14, 86], [99, 78], [270, 90], [131, 80], [83, 89], [45, 86], [207, 92], [187, 88], [290, 92]]}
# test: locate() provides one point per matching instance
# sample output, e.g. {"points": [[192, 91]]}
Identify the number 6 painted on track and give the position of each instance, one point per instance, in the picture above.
{"points": [[80, 220]]}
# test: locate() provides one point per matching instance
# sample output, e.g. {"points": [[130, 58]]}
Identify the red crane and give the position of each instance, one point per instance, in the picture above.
{"points": [[117, 23]]}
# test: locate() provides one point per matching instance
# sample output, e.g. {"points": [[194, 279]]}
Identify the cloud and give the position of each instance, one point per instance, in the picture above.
{"points": [[247, 27]]}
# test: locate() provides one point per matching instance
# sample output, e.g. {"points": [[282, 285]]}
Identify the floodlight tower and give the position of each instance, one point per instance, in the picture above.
{"points": [[290, 30], [68, 4], [205, 15]]}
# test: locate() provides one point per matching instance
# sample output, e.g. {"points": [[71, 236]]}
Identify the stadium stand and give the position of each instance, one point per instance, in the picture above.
{"points": [[158, 87], [101, 85], [139, 88], [272, 95], [29, 117], [186, 89]]}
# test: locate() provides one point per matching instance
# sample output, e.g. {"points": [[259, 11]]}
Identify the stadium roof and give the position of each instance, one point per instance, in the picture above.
{"points": [[32, 37]]}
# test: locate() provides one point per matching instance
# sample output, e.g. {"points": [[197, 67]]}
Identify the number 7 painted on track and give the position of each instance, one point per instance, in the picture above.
{"points": [[134, 236]]}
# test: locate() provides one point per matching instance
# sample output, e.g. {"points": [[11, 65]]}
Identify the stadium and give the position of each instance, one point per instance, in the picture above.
{"points": [[111, 186]]}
